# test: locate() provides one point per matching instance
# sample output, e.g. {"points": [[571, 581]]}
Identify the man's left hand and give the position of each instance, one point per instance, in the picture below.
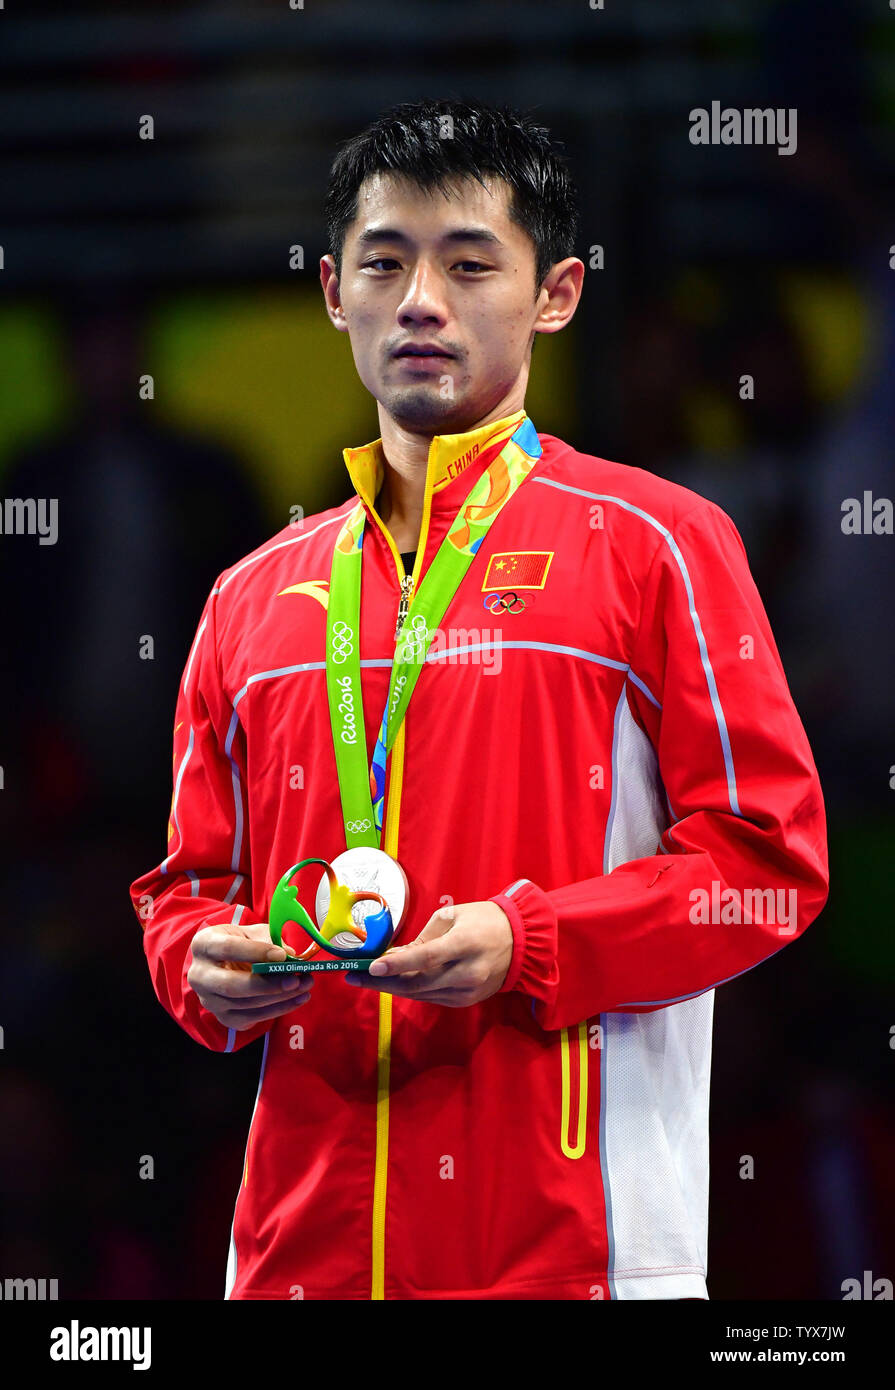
{"points": [[460, 957]]}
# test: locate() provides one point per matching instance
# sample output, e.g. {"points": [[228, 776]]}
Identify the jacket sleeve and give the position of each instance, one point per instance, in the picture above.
{"points": [[205, 877], [740, 867]]}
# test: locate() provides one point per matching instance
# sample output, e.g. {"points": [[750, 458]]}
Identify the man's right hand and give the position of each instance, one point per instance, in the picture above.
{"points": [[220, 973]]}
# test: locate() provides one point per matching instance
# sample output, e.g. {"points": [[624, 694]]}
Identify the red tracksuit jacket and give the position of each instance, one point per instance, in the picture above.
{"points": [[616, 760]]}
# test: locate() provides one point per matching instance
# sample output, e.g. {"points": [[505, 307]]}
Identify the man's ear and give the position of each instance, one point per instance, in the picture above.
{"points": [[329, 281], [563, 283]]}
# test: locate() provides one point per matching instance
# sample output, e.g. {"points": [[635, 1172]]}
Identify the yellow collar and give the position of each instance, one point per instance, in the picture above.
{"points": [[451, 457]]}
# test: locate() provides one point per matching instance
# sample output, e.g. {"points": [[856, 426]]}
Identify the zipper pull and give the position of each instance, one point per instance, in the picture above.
{"points": [[404, 605]]}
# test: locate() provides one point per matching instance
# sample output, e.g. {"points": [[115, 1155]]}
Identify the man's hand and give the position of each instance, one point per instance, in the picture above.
{"points": [[220, 973], [460, 957]]}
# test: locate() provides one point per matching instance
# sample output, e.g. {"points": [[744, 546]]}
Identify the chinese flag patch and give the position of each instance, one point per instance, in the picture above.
{"points": [[518, 569]]}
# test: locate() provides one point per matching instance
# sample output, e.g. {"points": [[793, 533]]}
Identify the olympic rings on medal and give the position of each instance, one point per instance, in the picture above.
{"points": [[357, 826], [508, 602], [342, 642]]}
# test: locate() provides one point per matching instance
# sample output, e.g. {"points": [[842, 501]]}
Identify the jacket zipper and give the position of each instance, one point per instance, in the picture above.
{"points": [[390, 845], [404, 603]]}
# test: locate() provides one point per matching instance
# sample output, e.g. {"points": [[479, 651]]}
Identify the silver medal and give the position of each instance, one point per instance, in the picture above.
{"points": [[365, 868]]}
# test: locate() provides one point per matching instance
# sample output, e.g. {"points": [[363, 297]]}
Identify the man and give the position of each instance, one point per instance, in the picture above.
{"points": [[598, 790]]}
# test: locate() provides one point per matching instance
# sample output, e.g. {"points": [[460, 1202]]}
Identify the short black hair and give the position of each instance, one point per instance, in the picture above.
{"points": [[410, 140]]}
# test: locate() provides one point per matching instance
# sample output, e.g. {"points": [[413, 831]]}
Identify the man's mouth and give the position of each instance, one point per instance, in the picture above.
{"points": [[422, 350]]}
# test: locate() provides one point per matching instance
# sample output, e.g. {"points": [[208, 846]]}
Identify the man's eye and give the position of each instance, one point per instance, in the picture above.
{"points": [[388, 262]]}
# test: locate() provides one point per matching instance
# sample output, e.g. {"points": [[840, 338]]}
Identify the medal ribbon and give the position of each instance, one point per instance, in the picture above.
{"points": [[362, 790]]}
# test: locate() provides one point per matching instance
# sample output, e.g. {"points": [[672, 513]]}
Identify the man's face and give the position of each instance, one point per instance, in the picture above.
{"points": [[422, 269]]}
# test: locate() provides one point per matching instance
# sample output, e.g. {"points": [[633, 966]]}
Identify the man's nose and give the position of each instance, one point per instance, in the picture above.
{"points": [[425, 294]]}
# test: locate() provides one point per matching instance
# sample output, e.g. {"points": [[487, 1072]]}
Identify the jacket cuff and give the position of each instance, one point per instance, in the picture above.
{"points": [[534, 968], [200, 1022]]}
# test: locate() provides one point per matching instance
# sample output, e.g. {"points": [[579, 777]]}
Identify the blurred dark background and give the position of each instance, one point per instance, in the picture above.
{"points": [[125, 257]]}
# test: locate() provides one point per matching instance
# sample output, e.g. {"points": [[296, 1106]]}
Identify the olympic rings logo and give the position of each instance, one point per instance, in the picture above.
{"points": [[356, 826], [503, 603], [415, 639], [342, 644]]}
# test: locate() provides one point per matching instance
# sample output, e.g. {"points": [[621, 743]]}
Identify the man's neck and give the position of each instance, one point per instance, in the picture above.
{"points": [[406, 457]]}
